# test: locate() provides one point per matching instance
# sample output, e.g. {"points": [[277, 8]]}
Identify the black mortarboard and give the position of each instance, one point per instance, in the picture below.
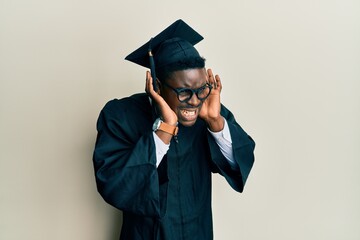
{"points": [[172, 45]]}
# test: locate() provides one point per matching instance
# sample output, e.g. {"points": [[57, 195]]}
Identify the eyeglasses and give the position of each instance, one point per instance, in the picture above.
{"points": [[185, 94]]}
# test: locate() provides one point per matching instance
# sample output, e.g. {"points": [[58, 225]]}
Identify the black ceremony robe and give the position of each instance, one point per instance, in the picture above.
{"points": [[172, 201]]}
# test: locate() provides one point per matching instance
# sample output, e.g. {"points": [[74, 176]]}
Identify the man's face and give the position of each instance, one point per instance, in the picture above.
{"points": [[188, 111]]}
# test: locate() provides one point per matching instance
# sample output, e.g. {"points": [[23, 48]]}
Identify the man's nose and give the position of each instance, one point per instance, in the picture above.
{"points": [[194, 100]]}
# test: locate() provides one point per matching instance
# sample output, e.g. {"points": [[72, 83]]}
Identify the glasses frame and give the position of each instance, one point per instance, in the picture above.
{"points": [[196, 91]]}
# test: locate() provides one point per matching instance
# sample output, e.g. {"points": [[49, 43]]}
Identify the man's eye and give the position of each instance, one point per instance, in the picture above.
{"points": [[202, 89], [184, 92]]}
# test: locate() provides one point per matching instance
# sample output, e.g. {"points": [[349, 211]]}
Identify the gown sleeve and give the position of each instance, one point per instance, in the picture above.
{"points": [[125, 162], [243, 149]]}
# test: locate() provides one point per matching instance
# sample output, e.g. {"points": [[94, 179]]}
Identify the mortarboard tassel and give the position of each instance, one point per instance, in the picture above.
{"points": [[152, 66]]}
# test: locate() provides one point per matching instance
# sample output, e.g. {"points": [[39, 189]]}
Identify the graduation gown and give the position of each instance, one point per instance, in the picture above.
{"points": [[171, 201]]}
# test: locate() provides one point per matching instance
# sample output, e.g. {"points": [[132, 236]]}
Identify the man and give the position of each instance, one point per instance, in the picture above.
{"points": [[155, 152]]}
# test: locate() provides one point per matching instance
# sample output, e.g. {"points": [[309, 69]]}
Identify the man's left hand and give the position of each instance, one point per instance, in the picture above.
{"points": [[210, 110]]}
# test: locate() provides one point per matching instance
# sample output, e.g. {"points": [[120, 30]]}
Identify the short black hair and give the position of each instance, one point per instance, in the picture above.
{"points": [[165, 72]]}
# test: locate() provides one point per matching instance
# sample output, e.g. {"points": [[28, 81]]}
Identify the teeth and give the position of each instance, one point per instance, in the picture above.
{"points": [[188, 113]]}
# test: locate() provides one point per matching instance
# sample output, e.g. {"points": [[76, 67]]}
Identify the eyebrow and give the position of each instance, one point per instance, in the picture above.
{"points": [[187, 86]]}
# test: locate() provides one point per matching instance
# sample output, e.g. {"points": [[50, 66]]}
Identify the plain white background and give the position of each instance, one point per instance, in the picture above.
{"points": [[291, 76]]}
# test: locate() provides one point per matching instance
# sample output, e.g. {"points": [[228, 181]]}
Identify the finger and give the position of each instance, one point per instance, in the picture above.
{"points": [[212, 79], [149, 86], [148, 80], [215, 81], [210, 76], [218, 82]]}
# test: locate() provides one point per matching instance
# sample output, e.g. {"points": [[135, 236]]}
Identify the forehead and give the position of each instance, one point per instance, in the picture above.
{"points": [[190, 78]]}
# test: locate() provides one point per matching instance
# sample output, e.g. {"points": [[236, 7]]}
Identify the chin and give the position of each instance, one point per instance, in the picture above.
{"points": [[187, 123]]}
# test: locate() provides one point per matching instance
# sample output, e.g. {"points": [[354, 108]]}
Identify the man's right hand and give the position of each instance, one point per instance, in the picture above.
{"points": [[166, 113]]}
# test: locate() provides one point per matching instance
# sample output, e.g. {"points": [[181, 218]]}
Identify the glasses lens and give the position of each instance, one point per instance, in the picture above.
{"points": [[184, 95], [203, 92]]}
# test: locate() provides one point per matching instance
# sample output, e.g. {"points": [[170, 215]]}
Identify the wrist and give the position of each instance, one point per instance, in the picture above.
{"points": [[171, 123], [169, 128], [164, 136], [170, 120], [216, 125]]}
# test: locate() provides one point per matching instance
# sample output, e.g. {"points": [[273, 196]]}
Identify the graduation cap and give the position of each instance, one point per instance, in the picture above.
{"points": [[173, 44]]}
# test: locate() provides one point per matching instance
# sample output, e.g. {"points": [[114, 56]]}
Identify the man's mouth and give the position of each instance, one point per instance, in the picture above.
{"points": [[188, 113]]}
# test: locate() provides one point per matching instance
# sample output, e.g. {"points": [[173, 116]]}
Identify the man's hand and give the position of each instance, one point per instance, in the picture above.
{"points": [[210, 110], [166, 113]]}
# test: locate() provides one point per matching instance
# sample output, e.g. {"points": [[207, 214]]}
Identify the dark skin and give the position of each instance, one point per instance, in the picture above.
{"points": [[173, 111]]}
